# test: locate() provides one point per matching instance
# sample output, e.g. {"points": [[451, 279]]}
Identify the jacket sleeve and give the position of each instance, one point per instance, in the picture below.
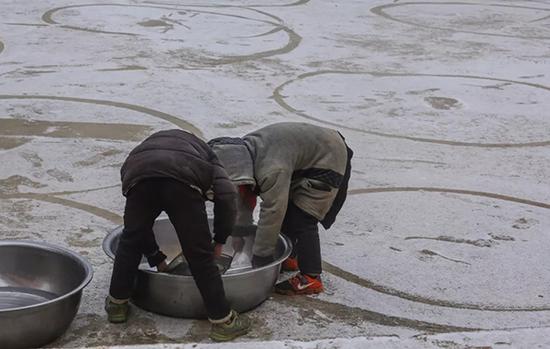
{"points": [[275, 187], [225, 202]]}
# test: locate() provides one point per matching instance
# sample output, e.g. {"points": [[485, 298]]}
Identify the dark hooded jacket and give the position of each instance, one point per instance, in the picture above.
{"points": [[184, 157]]}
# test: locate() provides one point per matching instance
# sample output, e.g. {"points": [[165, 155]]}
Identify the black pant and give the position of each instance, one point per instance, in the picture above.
{"points": [[186, 210], [303, 231]]}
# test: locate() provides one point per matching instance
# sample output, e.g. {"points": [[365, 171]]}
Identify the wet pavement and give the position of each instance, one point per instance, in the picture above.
{"points": [[444, 103]]}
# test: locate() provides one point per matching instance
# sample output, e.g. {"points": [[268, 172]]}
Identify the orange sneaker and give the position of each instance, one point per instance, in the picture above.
{"points": [[299, 285], [290, 264]]}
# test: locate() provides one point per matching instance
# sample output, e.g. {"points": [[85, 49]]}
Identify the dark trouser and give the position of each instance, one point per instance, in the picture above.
{"points": [[186, 210], [303, 231]]}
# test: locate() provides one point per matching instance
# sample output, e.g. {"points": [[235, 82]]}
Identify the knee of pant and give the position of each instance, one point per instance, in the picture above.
{"points": [[305, 230], [302, 224], [129, 242], [204, 271], [200, 261], [198, 253]]}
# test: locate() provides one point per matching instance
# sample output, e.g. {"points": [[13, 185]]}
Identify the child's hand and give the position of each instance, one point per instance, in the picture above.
{"points": [[217, 250], [237, 243], [162, 266]]}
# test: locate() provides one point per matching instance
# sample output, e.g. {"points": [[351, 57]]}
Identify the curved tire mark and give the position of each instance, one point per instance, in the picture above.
{"points": [[453, 191], [379, 10], [540, 19], [272, 31], [47, 17], [72, 129], [355, 315], [96, 211], [82, 191], [293, 41], [350, 277], [297, 3], [144, 110], [7, 143], [280, 99]]}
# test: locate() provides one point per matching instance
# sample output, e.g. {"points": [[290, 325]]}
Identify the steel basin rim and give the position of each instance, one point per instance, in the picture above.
{"points": [[89, 272], [288, 250]]}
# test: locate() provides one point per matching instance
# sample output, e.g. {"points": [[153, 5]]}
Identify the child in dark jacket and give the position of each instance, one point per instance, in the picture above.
{"points": [[172, 171]]}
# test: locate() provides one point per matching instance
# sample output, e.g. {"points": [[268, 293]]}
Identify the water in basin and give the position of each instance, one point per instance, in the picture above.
{"points": [[15, 297]]}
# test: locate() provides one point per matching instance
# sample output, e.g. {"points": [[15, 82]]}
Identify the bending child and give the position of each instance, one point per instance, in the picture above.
{"points": [[172, 171], [301, 173]]}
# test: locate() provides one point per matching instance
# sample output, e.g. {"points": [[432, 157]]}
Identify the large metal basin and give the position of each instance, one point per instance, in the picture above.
{"points": [[177, 295], [40, 290]]}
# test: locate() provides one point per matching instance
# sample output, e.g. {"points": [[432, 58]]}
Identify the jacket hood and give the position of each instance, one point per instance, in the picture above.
{"points": [[235, 158]]}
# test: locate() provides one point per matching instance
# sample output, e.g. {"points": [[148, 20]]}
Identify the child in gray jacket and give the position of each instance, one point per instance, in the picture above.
{"points": [[301, 173]]}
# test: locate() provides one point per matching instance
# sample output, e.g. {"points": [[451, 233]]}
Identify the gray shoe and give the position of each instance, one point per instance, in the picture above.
{"points": [[237, 326], [116, 313]]}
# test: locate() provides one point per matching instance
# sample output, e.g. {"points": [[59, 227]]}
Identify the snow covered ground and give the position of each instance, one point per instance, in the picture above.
{"points": [[445, 104], [530, 338]]}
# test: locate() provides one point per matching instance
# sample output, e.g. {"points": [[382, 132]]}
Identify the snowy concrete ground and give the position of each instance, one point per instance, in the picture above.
{"points": [[445, 104], [526, 338]]}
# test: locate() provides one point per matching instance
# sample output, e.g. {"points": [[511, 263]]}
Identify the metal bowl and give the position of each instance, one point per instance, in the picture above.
{"points": [[40, 290], [177, 295]]}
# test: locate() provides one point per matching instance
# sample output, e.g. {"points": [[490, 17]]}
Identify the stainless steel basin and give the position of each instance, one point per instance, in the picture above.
{"points": [[177, 295], [40, 290]]}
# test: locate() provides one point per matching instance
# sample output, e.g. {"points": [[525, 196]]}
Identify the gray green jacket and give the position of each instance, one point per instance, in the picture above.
{"points": [[285, 161]]}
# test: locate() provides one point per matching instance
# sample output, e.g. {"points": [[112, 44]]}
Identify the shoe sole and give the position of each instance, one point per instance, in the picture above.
{"points": [[222, 338], [298, 293], [118, 320]]}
